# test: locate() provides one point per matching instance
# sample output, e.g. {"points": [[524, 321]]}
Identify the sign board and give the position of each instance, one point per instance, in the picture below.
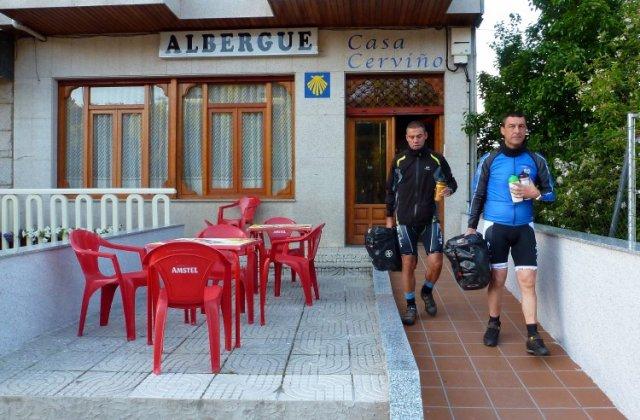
{"points": [[239, 43], [317, 85], [382, 50]]}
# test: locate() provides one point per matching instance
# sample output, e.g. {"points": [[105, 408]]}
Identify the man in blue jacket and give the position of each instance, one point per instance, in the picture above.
{"points": [[508, 222]]}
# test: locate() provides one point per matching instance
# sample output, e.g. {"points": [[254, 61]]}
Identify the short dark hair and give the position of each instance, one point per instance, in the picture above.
{"points": [[516, 114], [417, 124]]}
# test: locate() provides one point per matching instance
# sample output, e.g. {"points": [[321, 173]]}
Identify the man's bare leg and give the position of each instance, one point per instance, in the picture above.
{"points": [[434, 268], [494, 300], [494, 293], [527, 282], [409, 284]]}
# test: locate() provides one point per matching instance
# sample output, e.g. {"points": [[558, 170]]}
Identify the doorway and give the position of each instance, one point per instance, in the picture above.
{"points": [[372, 142]]}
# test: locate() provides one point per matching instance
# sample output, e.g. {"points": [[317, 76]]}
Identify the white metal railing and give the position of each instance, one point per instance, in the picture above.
{"points": [[34, 222]]}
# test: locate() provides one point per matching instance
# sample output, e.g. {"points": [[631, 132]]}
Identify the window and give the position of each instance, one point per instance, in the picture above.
{"points": [[208, 140], [238, 141]]}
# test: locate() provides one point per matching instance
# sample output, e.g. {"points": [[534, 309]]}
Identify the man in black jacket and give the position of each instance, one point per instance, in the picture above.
{"points": [[411, 188]]}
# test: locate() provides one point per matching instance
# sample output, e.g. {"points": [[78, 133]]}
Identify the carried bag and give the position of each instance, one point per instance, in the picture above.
{"points": [[383, 248], [469, 257]]}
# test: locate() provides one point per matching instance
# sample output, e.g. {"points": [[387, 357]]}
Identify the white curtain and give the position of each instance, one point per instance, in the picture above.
{"points": [[131, 162], [159, 138], [74, 151], [252, 149], [282, 139], [192, 140], [102, 147], [222, 150], [117, 95], [237, 94]]}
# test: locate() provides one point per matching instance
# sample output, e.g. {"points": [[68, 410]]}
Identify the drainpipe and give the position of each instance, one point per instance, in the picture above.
{"points": [[472, 108], [17, 25]]}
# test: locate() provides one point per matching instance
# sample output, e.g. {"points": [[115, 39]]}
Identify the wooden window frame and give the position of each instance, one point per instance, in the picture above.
{"points": [[236, 109], [175, 90]]}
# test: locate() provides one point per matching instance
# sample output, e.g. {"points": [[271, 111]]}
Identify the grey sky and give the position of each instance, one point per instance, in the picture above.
{"points": [[494, 12]]}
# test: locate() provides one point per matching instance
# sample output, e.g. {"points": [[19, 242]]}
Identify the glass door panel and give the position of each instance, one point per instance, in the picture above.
{"points": [[369, 154], [370, 161]]}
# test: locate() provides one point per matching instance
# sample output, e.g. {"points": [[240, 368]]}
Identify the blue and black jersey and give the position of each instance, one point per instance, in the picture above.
{"points": [[491, 194]]}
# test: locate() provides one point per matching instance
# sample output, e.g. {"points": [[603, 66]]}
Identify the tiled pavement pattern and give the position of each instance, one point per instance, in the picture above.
{"points": [[329, 352], [463, 379]]}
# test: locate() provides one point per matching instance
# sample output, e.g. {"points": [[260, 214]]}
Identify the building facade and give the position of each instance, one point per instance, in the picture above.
{"points": [[304, 108]]}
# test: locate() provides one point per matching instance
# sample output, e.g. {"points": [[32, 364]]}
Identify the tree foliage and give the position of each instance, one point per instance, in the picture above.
{"points": [[575, 74]]}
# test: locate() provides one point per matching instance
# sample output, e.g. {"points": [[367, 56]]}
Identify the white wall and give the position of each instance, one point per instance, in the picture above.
{"points": [[6, 134], [319, 123], [41, 289], [588, 288]]}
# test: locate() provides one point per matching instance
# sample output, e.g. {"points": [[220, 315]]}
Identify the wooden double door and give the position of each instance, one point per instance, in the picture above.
{"points": [[372, 142]]}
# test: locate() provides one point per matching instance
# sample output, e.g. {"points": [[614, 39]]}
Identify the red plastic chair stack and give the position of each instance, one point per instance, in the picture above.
{"points": [[303, 265], [87, 246], [188, 272], [247, 207], [245, 289], [282, 234]]}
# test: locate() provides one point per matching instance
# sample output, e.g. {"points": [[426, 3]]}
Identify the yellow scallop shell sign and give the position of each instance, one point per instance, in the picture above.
{"points": [[317, 85]]}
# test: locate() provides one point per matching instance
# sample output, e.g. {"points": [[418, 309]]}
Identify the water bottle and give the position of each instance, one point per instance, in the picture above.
{"points": [[514, 180], [524, 179], [440, 184]]}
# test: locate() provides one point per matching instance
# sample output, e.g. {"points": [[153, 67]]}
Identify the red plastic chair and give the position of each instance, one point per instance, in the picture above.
{"points": [[282, 234], [247, 207], [86, 246], [246, 286], [303, 265], [188, 272]]}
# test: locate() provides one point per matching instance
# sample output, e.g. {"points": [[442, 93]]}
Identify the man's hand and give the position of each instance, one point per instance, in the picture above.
{"points": [[447, 192], [470, 231], [390, 222], [524, 191]]}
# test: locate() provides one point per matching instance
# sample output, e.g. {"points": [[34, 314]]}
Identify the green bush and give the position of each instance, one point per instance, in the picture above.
{"points": [[575, 74]]}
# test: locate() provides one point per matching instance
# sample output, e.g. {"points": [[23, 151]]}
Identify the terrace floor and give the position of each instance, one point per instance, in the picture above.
{"points": [[319, 361], [463, 379]]}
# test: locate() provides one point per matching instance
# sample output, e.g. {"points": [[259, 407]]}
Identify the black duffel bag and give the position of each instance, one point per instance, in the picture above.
{"points": [[382, 246], [469, 257]]}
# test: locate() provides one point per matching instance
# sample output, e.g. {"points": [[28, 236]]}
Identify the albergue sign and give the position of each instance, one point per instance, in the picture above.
{"points": [[236, 43]]}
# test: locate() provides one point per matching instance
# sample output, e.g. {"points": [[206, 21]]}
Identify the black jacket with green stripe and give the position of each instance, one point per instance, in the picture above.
{"points": [[411, 185]]}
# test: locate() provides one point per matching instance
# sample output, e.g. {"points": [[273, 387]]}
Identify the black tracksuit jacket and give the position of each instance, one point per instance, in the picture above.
{"points": [[411, 185]]}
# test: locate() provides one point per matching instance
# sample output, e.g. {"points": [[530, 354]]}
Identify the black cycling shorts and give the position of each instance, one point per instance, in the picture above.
{"points": [[431, 236], [520, 239]]}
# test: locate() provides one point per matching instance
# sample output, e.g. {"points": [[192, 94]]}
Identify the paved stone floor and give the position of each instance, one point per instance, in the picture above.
{"points": [[463, 379], [329, 352]]}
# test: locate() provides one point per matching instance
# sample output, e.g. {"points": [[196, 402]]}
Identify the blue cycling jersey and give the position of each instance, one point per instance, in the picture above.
{"points": [[491, 194]]}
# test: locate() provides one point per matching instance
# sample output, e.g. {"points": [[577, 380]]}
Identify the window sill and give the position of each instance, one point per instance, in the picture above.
{"points": [[229, 200]]}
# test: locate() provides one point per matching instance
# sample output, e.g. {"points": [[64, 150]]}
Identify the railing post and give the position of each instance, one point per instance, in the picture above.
{"points": [[631, 184], [154, 209], [78, 206], [114, 211], [29, 216], [53, 215], [129, 211], [4, 205]]}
